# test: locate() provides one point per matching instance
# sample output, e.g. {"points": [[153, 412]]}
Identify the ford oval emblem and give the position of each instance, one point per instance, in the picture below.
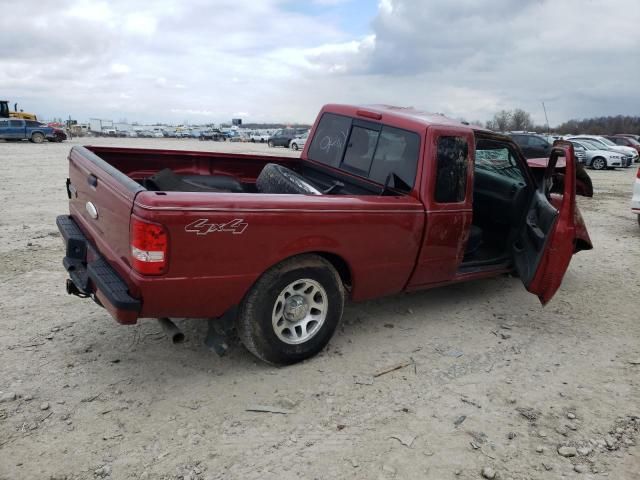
{"points": [[93, 211]]}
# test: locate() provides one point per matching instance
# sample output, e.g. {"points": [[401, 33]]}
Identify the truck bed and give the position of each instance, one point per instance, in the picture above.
{"points": [[220, 242], [140, 164]]}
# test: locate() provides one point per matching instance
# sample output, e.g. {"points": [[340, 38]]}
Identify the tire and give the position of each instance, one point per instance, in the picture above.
{"points": [[37, 137], [599, 163], [262, 140], [275, 178], [639, 219], [271, 144], [275, 320], [294, 146]]}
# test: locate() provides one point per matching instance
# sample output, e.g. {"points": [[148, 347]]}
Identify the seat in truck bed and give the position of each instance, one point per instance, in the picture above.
{"points": [[168, 181]]}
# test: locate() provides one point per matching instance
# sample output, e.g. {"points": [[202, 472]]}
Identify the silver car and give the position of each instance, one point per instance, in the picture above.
{"points": [[631, 154], [596, 157]]}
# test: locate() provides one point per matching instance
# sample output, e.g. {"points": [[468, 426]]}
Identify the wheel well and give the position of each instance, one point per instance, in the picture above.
{"points": [[340, 265]]}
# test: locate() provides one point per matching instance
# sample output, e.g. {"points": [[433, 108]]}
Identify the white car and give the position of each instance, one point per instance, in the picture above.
{"points": [[596, 158], [608, 144], [635, 200], [259, 137], [299, 141]]}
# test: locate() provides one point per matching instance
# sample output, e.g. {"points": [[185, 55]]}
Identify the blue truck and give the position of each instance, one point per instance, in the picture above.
{"points": [[36, 132]]}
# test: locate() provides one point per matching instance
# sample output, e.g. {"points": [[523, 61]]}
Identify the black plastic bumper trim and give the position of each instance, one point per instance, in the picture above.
{"points": [[102, 275]]}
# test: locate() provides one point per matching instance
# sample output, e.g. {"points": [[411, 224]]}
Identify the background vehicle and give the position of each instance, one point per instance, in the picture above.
{"points": [[282, 137], [532, 145], [212, 134], [5, 112], [630, 154], [380, 201], [635, 200], [18, 129], [259, 137], [299, 141], [626, 142], [631, 135], [58, 135], [598, 158]]}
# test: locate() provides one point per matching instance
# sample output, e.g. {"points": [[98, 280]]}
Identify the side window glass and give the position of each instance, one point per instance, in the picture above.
{"points": [[4, 123], [362, 144], [16, 123], [451, 178], [522, 140], [538, 142], [330, 139], [397, 154]]}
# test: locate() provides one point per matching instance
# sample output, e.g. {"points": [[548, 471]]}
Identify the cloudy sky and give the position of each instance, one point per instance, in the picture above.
{"points": [[210, 60]]}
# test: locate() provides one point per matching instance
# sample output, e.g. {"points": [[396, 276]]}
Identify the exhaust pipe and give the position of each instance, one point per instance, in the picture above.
{"points": [[171, 330]]}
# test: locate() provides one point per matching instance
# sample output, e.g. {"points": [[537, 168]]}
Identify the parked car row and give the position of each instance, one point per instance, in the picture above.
{"points": [[595, 151]]}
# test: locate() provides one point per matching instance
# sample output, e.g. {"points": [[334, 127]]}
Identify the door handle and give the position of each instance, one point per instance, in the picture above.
{"points": [[92, 180]]}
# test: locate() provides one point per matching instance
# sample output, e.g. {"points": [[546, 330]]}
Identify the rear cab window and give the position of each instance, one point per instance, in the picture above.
{"points": [[380, 153]]}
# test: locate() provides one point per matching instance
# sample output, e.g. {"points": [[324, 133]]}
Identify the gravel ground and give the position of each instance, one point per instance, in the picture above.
{"points": [[494, 384]]}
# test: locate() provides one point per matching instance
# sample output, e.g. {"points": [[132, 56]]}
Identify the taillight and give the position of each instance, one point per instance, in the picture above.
{"points": [[149, 247], [638, 174]]}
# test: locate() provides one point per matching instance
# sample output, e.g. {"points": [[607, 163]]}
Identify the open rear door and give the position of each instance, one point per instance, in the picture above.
{"points": [[545, 245]]}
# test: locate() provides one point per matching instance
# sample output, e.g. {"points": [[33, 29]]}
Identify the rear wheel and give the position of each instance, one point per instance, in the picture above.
{"points": [[294, 146], [292, 311], [599, 163], [271, 144], [37, 137]]}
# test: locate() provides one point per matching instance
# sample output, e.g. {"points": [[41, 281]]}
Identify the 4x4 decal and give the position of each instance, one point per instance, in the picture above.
{"points": [[203, 226]]}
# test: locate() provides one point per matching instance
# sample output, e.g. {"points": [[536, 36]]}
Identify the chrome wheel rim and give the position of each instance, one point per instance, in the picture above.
{"points": [[598, 164], [299, 311]]}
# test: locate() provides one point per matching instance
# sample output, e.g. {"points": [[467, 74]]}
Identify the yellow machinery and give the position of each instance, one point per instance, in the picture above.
{"points": [[6, 113]]}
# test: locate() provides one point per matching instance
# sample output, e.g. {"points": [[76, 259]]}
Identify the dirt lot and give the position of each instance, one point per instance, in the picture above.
{"points": [[494, 380]]}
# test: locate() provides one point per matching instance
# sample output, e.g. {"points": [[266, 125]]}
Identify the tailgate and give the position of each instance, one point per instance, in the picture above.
{"points": [[100, 201]]}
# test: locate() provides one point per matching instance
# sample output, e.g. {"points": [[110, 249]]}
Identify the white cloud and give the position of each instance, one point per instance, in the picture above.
{"points": [[167, 59]]}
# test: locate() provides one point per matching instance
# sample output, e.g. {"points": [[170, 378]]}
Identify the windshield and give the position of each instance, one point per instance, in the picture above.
{"points": [[585, 145], [594, 144], [606, 141], [633, 141]]}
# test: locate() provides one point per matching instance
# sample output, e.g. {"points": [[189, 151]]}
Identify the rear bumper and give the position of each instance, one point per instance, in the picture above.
{"points": [[92, 276]]}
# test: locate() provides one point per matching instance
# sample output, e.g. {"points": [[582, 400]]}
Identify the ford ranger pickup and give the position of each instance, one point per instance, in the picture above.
{"points": [[382, 200]]}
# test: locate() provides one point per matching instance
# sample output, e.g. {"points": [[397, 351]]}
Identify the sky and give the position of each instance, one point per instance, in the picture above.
{"points": [[206, 61]]}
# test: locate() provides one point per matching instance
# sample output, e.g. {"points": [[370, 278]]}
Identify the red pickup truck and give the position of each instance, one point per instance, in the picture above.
{"points": [[382, 200]]}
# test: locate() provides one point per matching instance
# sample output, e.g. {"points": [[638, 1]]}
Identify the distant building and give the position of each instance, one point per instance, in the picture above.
{"points": [[236, 122]]}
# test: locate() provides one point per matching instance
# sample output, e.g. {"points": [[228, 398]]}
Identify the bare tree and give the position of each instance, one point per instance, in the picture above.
{"points": [[521, 120], [501, 121]]}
